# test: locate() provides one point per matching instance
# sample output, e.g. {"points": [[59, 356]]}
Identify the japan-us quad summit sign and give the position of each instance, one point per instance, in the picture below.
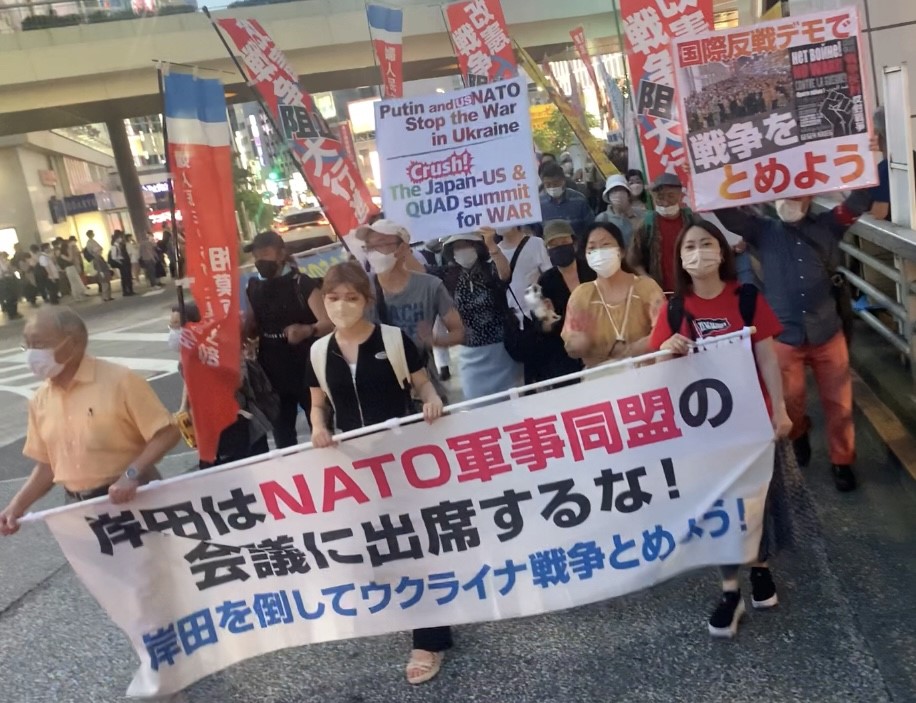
{"points": [[458, 161], [531, 505]]}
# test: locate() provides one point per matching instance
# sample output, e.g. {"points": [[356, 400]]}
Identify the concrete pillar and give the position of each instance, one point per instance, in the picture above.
{"points": [[130, 180]]}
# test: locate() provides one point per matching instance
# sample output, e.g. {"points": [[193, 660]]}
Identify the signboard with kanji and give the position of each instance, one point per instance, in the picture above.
{"points": [[481, 41], [777, 110]]}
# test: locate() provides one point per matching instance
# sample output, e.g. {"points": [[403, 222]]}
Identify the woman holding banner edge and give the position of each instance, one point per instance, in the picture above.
{"points": [[708, 302], [366, 372]]}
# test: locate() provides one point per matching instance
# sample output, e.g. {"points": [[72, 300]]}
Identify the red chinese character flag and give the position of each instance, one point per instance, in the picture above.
{"points": [[481, 41], [200, 158], [345, 133], [331, 175], [385, 27]]}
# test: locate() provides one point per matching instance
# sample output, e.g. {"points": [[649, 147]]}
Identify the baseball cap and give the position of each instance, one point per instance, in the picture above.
{"points": [[263, 240], [665, 180], [383, 226], [615, 181], [554, 229]]}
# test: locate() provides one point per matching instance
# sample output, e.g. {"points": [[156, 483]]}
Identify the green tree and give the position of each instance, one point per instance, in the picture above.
{"points": [[557, 136], [248, 199]]}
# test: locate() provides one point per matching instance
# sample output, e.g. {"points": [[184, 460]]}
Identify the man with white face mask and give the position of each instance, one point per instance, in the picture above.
{"points": [[96, 428], [798, 254], [560, 202], [407, 299], [651, 251]]}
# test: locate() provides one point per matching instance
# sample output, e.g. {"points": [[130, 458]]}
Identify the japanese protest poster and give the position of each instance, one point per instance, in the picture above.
{"points": [[775, 111], [454, 162], [331, 175], [201, 164], [549, 85], [481, 41], [534, 504], [385, 28], [649, 27], [581, 44], [345, 135]]}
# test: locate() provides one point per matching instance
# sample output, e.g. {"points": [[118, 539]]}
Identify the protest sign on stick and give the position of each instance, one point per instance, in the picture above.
{"points": [[385, 29], [481, 41], [775, 111], [538, 503], [454, 162]]}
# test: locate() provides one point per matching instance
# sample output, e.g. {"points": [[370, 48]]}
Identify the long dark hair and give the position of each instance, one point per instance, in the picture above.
{"points": [[615, 232], [683, 283], [644, 196]]}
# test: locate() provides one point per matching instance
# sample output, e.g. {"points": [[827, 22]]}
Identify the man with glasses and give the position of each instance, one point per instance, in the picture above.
{"points": [[651, 251], [94, 427], [406, 298]]}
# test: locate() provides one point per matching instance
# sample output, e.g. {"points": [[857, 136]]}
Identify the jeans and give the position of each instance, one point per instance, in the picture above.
{"points": [[285, 425], [830, 363], [433, 639]]}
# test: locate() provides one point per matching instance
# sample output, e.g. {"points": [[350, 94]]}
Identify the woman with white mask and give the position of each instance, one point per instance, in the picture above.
{"points": [[619, 210], [610, 318], [477, 279], [365, 371]]}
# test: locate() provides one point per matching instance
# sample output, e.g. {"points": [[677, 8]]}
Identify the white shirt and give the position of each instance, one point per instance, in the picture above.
{"points": [[532, 262]]}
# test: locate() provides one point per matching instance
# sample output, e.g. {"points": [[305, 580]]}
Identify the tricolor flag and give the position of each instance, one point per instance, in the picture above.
{"points": [[385, 27], [201, 165]]}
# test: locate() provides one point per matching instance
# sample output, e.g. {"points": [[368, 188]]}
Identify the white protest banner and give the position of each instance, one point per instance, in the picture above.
{"points": [[526, 506], [776, 110], [455, 162]]}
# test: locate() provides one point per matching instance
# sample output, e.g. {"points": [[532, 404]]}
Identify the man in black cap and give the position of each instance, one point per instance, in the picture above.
{"points": [[651, 251], [285, 315]]}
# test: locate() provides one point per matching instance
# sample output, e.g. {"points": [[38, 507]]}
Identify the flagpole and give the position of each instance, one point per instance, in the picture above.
{"points": [[270, 117], [179, 282], [626, 77]]}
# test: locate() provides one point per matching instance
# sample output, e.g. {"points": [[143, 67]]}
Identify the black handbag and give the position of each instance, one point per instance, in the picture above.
{"points": [[520, 341]]}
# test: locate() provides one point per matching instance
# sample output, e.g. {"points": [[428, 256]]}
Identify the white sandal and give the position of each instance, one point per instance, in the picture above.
{"points": [[423, 666]]}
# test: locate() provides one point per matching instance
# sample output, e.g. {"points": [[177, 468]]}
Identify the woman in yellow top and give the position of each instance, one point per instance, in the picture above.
{"points": [[610, 318]]}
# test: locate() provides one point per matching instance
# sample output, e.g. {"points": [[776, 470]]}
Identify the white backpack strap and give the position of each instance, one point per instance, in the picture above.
{"points": [[319, 358], [394, 349]]}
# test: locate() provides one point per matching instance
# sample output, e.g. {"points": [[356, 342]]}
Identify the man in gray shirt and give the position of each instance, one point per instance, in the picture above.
{"points": [[405, 298]]}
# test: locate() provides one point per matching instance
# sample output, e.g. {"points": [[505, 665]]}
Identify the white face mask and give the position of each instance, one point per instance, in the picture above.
{"points": [[42, 363], [636, 189], [381, 263], [175, 340], [790, 210], [668, 210], [604, 262], [555, 192], [466, 258], [344, 313], [701, 262], [619, 199]]}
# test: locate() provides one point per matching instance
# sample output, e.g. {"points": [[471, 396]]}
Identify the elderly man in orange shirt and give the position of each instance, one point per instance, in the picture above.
{"points": [[95, 427]]}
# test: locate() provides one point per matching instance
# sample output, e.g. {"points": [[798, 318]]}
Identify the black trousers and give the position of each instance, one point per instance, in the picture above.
{"points": [[9, 295], [285, 425], [433, 639], [127, 279]]}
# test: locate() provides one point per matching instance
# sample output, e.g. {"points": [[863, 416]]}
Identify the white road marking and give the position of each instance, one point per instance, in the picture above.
{"points": [[131, 337]]}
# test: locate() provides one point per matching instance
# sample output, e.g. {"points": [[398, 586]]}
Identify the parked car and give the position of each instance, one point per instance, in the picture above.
{"points": [[304, 228]]}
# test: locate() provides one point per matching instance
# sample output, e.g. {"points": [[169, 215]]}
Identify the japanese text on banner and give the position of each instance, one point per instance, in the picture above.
{"points": [[775, 111], [385, 29], [481, 41], [331, 175], [536, 504], [457, 161], [649, 27]]}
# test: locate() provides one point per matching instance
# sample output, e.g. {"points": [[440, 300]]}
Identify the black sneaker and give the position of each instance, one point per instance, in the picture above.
{"points": [[763, 590], [844, 478], [444, 373], [724, 620], [802, 447]]}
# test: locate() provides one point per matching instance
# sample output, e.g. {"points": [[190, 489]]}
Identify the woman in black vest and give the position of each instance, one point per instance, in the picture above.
{"points": [[285, 315]]}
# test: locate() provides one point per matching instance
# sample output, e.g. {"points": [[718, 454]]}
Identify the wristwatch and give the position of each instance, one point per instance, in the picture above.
{"points": [[132, 473]]}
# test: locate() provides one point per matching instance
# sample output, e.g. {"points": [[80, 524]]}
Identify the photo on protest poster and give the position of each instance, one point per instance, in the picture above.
{"points": [[456, 162], [774, 111]]}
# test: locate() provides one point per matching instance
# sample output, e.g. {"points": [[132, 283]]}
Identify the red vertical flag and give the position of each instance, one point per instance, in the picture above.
{"points": [[200, 159], [331, 175], [481, 41], [385, 28], [649, 26], [581, 44]]}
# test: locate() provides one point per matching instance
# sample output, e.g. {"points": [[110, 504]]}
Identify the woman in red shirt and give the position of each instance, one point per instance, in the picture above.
{"points": [[709, 301]]}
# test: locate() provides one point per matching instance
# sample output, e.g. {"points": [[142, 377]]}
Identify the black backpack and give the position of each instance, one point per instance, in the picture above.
{"points": [[747, 304]]}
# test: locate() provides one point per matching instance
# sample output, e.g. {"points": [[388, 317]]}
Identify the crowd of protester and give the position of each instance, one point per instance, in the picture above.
{"points": [[369, 343]]}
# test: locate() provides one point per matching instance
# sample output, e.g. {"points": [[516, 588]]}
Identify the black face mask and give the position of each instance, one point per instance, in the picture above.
{"points": [[562, 256], [267, 269]]}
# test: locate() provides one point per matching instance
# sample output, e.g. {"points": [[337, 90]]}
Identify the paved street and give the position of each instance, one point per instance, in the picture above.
{"points": [[845, 630]]}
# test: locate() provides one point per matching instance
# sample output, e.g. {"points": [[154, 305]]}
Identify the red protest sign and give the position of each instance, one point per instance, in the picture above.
{"points": [[649, 27], [481, 41], [331, 175]]}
